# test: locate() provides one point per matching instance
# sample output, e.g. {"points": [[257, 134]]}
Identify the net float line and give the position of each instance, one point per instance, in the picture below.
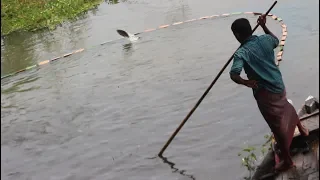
{"points": [[274, 17]]}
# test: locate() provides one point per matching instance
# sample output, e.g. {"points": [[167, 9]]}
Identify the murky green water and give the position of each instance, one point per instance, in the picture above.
{"points": [[103, 113]]}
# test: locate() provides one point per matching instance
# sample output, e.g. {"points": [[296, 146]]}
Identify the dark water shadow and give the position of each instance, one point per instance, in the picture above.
{"points": [[17, 52], [16, 87], [127, 47], [175, 169]]}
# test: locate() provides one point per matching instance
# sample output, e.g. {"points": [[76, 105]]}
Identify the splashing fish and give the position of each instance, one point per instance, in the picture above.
{"points": [[131, 37]]}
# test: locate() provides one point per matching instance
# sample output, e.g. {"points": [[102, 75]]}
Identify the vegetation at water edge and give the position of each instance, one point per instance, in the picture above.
{"points": [[249, 156], [31, 15]]}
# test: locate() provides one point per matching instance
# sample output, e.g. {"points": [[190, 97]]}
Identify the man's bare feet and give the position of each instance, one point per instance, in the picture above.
{"points": [[303, 131], [283, 166]]}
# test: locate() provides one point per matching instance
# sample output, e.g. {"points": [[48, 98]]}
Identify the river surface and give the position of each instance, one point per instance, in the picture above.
{"points": [[106, 112]]}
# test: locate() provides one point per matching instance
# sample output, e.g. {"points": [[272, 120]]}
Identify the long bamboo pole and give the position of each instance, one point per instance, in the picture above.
{"points": [[204, 94]]}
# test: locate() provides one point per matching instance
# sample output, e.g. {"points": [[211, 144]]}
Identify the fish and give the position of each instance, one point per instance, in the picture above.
{"points": [[129, 36]]}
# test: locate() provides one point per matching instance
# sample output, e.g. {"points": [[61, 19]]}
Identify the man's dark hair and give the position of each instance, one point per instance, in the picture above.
{"points": [[242, 26]]}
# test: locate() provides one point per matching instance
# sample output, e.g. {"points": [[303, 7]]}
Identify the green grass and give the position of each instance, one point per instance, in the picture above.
{"points": [[31, 15]]}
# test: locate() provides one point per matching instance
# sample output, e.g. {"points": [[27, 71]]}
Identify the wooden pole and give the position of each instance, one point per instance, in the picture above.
{"points": [[204, 94]]}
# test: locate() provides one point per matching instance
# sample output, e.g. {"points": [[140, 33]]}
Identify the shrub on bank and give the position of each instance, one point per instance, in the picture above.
{"points": [[32, 15]]}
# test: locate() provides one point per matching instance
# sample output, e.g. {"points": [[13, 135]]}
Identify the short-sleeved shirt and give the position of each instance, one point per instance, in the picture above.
{"points": [[256, 57]]}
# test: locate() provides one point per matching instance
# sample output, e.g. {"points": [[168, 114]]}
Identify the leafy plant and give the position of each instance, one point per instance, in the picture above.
{"points": [[249, 157], [31, 15]]}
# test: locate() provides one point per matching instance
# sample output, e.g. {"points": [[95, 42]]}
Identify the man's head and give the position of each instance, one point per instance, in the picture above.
{"points": [[241, 29]]}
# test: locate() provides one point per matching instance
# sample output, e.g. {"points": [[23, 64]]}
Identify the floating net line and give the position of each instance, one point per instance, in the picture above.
{"points": [[274, 17]]}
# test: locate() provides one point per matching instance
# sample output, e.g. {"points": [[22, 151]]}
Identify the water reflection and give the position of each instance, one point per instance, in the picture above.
{"points": [[17, 52], [112, 1], [16, 87], [175, 169], [127, 48], [179, 11], [22, 49]]}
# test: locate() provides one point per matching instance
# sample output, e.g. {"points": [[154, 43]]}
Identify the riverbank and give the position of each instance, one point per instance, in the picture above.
{"points": [[31, 15]]}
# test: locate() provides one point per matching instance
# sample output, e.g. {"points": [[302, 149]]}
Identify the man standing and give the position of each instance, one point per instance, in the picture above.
{"points": [[256, 57]]}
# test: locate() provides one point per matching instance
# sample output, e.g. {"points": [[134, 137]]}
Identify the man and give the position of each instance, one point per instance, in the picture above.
{"points": [[256, 57]]}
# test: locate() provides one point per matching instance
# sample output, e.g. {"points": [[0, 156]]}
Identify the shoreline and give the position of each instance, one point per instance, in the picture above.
{"points": [[34, 15]]}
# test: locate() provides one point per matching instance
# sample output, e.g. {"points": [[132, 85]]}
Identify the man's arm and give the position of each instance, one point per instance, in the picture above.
{"points": [[236, 70], [262, 22], [237, 79], [267, 31]]}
